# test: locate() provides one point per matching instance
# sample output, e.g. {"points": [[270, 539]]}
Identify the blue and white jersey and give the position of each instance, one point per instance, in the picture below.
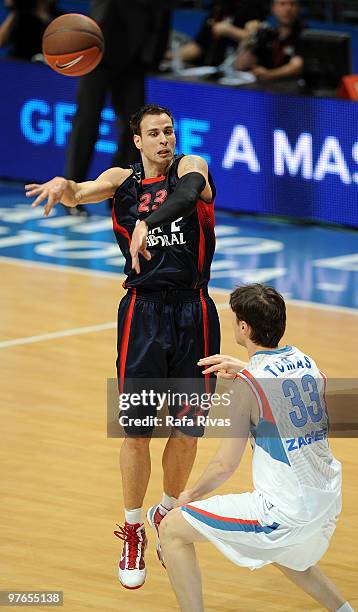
{"points": [[293, 466]]}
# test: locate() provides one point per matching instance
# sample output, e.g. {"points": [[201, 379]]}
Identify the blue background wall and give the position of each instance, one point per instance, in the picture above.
{"points": [[268, 153]]}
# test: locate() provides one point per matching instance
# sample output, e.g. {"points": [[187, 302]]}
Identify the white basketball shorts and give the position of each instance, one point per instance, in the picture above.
{"points": [[243, 529]]}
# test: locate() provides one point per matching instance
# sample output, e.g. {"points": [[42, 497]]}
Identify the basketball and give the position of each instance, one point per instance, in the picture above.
{"points": [[73, 44]]}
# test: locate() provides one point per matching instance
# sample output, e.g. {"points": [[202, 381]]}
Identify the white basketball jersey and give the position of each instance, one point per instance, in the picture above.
{"points": [[293, 466]]}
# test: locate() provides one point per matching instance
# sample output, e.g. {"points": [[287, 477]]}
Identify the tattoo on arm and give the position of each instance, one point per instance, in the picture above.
{"points": [[193, 163]]}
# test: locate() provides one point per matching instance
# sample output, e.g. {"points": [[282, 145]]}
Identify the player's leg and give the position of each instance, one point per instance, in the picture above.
{"points": [[139, 360], [135, 468], [177, 539], [178, 459], [197, 334], [314, 582]]}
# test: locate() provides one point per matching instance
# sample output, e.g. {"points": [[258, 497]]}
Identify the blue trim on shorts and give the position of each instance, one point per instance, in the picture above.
{"points": [[233, 525]]}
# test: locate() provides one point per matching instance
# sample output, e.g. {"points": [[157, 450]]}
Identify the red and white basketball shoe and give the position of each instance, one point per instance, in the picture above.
{"points": [[131, 569], [155, 516]]}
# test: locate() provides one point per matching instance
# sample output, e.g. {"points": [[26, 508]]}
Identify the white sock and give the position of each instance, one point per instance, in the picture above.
{"points": [[168, 502], [345, 608], [133, 516]]}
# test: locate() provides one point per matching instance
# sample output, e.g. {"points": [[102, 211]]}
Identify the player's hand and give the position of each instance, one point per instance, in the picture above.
{"points": [[54, 191], [185, 497], [139, 245], [223, 366], [261, 73]]}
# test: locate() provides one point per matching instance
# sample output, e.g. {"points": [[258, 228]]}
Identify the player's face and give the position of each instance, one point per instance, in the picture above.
{"points": [[157, 139], [286, 11]]}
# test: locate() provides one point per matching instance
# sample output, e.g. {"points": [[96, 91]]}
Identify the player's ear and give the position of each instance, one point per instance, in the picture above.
{"points": [[137, 141], [245, 328]]}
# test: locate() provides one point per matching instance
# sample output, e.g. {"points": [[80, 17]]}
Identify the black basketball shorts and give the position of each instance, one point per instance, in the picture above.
{"points": [[162, 335]]}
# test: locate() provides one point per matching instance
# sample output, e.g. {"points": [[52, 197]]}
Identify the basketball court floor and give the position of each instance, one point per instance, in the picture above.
{"points": [[60, 486]]}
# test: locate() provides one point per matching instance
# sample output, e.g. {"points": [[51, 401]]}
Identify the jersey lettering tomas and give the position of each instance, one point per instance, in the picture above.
{"points": [[181, 251]]}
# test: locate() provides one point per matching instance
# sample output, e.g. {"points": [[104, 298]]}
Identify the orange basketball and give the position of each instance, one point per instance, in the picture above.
{"points": [[73, 44]]}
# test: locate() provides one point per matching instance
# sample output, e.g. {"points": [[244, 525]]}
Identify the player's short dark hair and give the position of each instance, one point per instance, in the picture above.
{"points": [[148, 109], [264, 309]]}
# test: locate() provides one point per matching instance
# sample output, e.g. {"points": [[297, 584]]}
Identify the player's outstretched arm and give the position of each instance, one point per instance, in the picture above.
{"points": [[67, 192]]}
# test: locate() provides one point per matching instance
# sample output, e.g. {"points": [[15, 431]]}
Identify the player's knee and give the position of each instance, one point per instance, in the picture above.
{"points": [[137, 443], [167, 527], [187, 442]]}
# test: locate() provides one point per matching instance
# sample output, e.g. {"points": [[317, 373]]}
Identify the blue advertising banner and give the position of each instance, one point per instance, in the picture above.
{"points": [[281, 155], [268, 153], [37, 108]]}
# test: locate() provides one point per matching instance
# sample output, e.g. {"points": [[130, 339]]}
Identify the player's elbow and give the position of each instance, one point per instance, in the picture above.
{"points": [[296, 66], [194, 183], [227, 466], [190, 203], [191, 200], [189, 189], [230, 468]]}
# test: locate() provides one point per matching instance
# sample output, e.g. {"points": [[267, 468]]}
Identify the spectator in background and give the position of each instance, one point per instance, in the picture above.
{"points": [[274, 53], [229, 22], [23, 28], [136, 34]]}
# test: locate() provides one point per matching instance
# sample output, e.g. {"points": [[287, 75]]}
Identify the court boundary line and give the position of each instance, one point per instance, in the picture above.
{"points": [[75, 331], [121, 277]]}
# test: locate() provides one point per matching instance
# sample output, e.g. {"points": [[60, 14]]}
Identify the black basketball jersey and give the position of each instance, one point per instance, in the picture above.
{"points": [[181, 251]]}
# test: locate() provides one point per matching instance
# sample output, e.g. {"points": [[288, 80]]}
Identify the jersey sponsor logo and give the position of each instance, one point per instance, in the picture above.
{"points": [[165, 240], [309, 438], [157, 236]]}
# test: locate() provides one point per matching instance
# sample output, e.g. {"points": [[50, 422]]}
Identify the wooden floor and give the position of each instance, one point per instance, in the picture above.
{"points": [[60, 481]]}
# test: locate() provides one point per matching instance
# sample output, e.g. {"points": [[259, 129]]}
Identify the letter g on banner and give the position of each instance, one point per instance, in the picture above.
{"points": [[35, 128]]}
